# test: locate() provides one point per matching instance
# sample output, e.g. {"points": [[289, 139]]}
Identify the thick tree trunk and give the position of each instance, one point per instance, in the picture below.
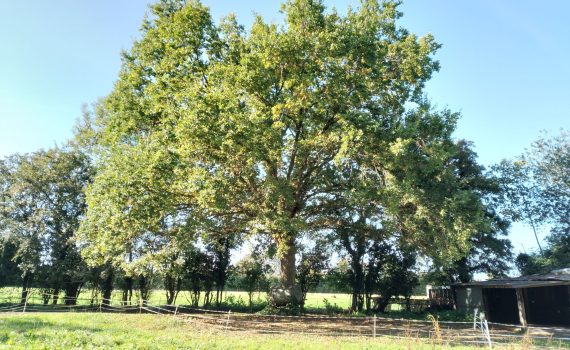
{"points": [[25, 287], [128, 291], [107, 288], [72, 290], [55, 298], [170, 286], [288, 292], [287, 260]]}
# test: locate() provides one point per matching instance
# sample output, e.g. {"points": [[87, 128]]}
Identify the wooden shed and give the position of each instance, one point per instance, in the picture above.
{"points": [[527, 300]]}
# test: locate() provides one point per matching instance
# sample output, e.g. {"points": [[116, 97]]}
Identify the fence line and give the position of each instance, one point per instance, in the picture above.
{"points": [[226, 320], [306, 317]]}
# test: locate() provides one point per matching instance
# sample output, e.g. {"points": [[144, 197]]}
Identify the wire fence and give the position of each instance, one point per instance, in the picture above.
{"points": [[478, 333]]}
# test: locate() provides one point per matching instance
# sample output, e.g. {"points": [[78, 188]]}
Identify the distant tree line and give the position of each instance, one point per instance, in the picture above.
{"points": [[44, 202]]}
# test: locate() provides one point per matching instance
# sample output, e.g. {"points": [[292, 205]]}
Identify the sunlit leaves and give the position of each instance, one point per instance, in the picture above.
{"points": [[270, 126]]}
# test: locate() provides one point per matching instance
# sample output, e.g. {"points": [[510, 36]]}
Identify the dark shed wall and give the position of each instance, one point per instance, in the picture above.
{"points": [[548, 305], [501, 305]]}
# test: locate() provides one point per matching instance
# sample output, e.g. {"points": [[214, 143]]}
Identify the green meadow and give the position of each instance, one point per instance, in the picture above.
{"points": [[47, 331]]}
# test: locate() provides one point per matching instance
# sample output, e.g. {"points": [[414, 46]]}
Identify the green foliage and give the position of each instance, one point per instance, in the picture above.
{"points": [[490, 250], [251, 273], [311, 268], [331, 308], [292, 308], [9, 272], [337, 278], [391, 273], [555, 256], [44, 202], [197, 274], [538, 192], [214, 128]]}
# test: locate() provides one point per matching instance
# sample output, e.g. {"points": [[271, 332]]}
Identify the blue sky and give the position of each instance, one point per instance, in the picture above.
{"points": [[505, 66]]}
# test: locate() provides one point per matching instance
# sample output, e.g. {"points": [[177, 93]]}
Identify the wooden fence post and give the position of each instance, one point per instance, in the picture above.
{"points": [[475, 318], [26, 301], [228, 320], [487, 334], [374, 325]]}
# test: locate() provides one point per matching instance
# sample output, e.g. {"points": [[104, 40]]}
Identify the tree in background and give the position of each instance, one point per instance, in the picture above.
{"points": [[438, 187], [311, 267], [219, 247], [490, 251], [9, 272], [198, 275], [336, 279], [538, 191], [520, 194], [251, 274], [44, 194], [106, 284], [390, 273]]}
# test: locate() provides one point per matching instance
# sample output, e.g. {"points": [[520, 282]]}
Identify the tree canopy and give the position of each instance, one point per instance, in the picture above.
{"points": [[44, 202], [214, 128], [537, 190]]}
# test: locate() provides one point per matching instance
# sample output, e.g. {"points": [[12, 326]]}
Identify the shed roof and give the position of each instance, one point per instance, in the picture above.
{"points": [[530, 281]]}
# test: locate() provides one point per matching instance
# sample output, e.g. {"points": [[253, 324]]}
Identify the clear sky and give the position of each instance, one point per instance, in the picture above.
{"points": [[505, 66]]}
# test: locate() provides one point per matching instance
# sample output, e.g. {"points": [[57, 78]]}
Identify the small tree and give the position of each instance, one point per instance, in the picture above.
{"points": [[252, 275], [171, 266], [219, 247], [390, 273], [312, 265], [197, 275]]}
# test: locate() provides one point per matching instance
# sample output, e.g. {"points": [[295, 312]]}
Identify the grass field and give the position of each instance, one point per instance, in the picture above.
{"points": [[158, 297], [316, 303], [133, 331]]}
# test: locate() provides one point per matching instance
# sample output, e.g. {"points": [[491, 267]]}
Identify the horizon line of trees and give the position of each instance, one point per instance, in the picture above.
{"points": [[44, 202]]}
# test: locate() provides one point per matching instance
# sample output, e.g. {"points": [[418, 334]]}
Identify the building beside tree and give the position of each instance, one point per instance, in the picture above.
{"points": [[527, 300]]}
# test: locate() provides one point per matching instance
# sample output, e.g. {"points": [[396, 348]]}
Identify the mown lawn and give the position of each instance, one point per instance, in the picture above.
{"points": [[36, 331]]}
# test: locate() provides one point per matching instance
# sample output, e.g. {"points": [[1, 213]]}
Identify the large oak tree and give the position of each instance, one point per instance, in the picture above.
{"points": [[262, 131]]}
